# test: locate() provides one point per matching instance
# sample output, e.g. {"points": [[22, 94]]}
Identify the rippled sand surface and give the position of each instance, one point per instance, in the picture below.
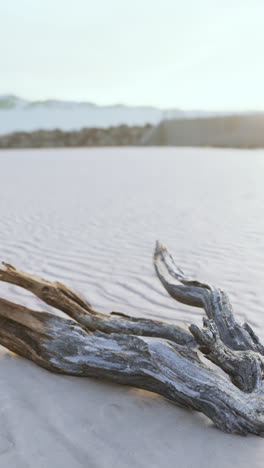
{"points": [[90, 218]]}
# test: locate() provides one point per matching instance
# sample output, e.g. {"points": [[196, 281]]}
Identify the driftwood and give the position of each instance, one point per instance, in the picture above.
{"points": [[144, 353]]}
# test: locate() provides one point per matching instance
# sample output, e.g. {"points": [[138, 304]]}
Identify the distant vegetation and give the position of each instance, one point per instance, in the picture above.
{"points": [[233, 131], [7, 102], [122, 135]]}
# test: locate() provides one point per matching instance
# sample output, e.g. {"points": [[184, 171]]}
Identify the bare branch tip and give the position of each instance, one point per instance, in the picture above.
{"points": [[159, 248], [8, 266]]}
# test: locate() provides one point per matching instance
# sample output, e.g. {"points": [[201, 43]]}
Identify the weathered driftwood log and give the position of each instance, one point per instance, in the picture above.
{"points": [[145, 353]]}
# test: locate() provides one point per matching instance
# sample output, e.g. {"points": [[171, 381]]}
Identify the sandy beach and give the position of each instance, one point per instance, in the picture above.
{"points": [[90, 218]]}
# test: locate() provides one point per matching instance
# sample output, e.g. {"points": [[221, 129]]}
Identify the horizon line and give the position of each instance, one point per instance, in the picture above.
{"points": [[117, 104]]}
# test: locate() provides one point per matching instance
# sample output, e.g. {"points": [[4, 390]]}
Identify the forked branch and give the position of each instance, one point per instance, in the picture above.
{"points": [[145, 353]]}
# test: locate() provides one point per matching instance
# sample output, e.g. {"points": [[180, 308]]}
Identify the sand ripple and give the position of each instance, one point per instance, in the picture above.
{"points": [[90, 218]]}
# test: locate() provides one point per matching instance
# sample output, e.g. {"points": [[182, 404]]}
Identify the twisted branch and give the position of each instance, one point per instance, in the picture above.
{"points": [[145, 353]]}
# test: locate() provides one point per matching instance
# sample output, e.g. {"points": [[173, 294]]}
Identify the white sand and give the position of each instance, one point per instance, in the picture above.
{"points": [[90, 219]]}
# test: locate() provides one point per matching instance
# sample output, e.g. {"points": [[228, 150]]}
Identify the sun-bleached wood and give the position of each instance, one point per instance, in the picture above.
{"points": [[148, 354]]}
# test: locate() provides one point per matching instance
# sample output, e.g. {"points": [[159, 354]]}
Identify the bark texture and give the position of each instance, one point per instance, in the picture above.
{"points": [[144, 353]]}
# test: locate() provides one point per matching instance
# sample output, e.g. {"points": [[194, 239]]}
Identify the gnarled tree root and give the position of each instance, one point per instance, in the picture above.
{"points": [[144, 353]]}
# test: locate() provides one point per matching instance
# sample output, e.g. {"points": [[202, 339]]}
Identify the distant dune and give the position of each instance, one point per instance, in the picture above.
{"points": [[237, 131]]}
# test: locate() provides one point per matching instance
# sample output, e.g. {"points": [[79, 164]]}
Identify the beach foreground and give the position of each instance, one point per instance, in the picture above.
{"points": [[90, 219]]}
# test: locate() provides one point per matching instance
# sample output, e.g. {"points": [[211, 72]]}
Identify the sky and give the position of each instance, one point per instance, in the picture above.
{"points": [[188, 54]]}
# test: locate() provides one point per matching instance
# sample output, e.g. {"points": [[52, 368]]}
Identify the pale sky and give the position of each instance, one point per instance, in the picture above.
{"points": [[191, 54]]}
